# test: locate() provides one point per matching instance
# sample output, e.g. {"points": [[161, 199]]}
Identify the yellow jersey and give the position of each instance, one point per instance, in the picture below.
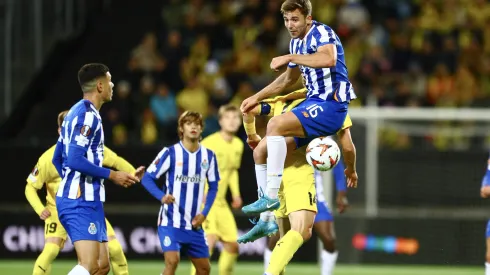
{"points": [[229, 157], [44, 173]]}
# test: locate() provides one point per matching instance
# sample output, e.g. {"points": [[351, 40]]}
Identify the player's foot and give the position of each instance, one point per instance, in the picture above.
{"points": [[263, 204], [261, 229]]}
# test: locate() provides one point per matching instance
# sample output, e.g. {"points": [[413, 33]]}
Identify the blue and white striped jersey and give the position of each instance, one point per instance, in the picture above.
{"points": [[324, 83], [82, 128], [185, 176]]}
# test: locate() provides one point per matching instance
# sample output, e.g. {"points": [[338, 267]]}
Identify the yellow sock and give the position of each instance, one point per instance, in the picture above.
{"points": [[284, 251], [226, 262], [118, 260], [193, 269], [44, 261]]}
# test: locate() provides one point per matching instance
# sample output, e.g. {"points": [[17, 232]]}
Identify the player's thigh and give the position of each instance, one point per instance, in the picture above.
{"points": [[111, 234], [54, 232], [287, 125], [299, 189], [320, 118], [227, 228]]}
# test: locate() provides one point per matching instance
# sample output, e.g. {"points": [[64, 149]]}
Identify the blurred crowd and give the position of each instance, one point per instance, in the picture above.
{"points": [[203, 54]]}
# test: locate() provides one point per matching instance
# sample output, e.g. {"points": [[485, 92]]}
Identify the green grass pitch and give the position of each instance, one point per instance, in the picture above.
{"points": [[17, 267]]}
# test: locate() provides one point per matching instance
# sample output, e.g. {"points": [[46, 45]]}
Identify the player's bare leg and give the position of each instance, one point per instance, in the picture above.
{"points": [[301, 226], [326, 233], [227, 259], [487, 258], [211, 239], [172, 259], [52, 246], [88, 256], [202, 265], [103, 261]]}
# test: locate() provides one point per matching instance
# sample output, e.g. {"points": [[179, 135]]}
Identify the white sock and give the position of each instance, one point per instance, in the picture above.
{"points": [[267, 216], [267, 258], [261, 175], [79, 270], [276, 155], [487, 268], [328, 262]]}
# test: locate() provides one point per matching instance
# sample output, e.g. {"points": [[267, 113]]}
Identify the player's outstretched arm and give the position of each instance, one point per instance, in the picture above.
{"points": [[286, 79], [349, 153]]}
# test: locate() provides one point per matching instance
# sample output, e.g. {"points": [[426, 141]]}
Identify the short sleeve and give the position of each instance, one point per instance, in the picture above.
{"points": [[85, 126], [324, 36], [292, 46], [160, 165]]}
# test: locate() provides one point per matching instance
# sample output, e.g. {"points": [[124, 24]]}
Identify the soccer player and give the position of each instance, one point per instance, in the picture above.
{"points": [[323, 224], [485, 193], [45, 174], [317, 54], [297, 213], [220, 224], [78, 159], [186, 167]]}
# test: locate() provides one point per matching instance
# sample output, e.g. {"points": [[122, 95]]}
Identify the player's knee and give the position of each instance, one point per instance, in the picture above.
{"points": [[306, 234], [329, 244], [232, 247], [260, 153], [203, 268], [274, 126], [104, 268], [171, 262]]}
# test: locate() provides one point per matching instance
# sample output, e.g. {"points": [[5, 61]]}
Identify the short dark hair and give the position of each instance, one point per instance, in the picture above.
{"points": [[304, 6], [189, 116], [90, 72]]}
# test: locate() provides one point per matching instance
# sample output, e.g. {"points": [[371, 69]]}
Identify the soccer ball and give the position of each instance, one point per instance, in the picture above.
{"points": [[323, 153]]}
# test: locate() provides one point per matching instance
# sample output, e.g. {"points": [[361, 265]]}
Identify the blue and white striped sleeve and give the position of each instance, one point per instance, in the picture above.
{"points": [[291, 51], [83, 131], [213, 179], [324, 35], [160, 165], [213, 171]]}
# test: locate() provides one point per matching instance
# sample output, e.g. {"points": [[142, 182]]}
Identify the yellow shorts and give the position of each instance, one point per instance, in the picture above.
{"points": [[53, 227], [110, 230], [221, 222], [297, 191]]}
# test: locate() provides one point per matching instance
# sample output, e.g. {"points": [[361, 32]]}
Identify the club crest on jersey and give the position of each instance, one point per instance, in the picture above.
{"points": [[166, 241], [205, 165], [92, 229], [85, 130]]}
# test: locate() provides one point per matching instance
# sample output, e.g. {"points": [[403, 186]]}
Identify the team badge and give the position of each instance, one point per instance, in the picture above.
{"points": [[205, 165], [92, 229], [85, 130], [167, 242]]}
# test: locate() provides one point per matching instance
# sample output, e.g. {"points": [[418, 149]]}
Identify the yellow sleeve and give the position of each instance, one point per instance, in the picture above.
{"points": [[347, 122], [234, 179], [33, 198], [111, 159]]}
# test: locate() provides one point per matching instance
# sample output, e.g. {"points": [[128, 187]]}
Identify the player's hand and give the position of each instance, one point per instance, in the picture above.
{"points": [[253, 141], [168, 199], [198, 220], [248, 104], [342, 202], [485, 192], [351, 176], [45, 214], [123, 178], [278, 62], [140, 172], [236, 202]]}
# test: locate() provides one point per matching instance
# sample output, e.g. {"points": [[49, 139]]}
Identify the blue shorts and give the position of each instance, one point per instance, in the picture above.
{"points": [[191, 242], [319, 118], [323, 213], [82, 220], [487, 233]]}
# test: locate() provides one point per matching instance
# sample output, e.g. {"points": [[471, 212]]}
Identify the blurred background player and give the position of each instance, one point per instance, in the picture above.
{"points": [[297, 176], [220, 224], [323, 224], [45, 174], [186, 166], [78, 157], [317, 54], [485, 193]]}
